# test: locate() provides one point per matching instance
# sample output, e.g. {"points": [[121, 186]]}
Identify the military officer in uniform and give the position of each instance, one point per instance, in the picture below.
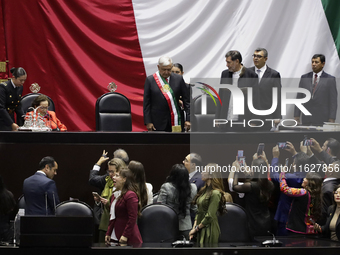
{"points": [[10, 96]]}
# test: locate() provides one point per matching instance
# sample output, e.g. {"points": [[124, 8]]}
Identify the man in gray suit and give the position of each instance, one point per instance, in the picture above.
{"points": [[190, 162], [324, 95]]}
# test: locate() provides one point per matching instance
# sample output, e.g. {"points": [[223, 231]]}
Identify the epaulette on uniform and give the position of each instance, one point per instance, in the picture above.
{"points": [[4, 83]]}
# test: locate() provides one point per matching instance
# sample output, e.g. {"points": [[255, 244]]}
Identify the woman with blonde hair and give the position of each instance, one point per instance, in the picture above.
{"points": [[210, 202]]}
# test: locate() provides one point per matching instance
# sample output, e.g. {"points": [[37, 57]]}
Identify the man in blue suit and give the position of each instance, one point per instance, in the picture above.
{"points": [[40, 190]]}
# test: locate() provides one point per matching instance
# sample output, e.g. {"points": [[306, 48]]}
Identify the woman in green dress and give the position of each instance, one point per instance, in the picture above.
{"points": [[210, 201]]}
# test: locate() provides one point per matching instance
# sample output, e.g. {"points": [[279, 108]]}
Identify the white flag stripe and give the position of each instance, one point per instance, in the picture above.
{"points": [[198, 33]]}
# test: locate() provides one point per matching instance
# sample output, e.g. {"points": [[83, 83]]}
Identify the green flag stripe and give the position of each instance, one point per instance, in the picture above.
{"points": [[332, 11]]}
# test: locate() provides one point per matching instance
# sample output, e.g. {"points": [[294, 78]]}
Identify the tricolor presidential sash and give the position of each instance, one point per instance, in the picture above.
{"points": [[171, 100]]}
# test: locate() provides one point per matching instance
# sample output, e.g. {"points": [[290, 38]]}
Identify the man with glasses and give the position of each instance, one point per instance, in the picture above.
{"points": [[268, 79], [242, 77]]}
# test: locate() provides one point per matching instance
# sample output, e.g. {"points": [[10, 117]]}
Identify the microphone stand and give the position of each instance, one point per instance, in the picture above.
{"points": [[49, 118], [272, 243]]}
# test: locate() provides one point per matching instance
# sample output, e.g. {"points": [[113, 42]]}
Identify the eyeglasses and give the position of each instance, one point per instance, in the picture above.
{"points": [[43, 108], [257, 56], [110, 171]]}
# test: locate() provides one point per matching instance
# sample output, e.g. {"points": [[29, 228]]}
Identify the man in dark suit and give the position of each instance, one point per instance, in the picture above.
{"points": [[328, 187], [40, 191], [190, 162], [324, 96], [327, 153], [268, 79], [242, 77], [10, 97], [162, 91]]}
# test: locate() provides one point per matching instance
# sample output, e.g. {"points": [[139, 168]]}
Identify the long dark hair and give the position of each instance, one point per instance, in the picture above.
{"points": [[7, 202], [216, 184], [335, 189], [314, 188], [129, 185], [179, 177], [266, 186], [137, 170]]}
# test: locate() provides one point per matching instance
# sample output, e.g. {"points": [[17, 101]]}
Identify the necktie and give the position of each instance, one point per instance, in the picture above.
{"points": [[259, 74], [315, 82]]}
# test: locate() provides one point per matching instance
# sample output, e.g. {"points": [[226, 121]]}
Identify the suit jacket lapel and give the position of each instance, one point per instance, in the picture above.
{"points": [[309, 82], [266, 73]]}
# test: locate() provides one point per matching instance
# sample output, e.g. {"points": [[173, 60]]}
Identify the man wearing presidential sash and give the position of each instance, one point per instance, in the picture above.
{"points": [[162, 91]]}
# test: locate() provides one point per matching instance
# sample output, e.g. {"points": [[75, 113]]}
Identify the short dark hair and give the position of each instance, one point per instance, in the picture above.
{"points": [[301, 159], [234, 54], [179, 66], [265, 52], [321, 56], [334, 145], [41, 98], [46, 161], [17, 72]]}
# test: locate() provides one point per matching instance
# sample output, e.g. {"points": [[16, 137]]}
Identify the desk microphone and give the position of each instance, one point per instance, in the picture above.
{"points": [[272, 243], [48, 116]]}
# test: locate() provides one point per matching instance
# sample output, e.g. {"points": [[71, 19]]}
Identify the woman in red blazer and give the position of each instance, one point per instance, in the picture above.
{"points": [[47, 116], [125, 208]]}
